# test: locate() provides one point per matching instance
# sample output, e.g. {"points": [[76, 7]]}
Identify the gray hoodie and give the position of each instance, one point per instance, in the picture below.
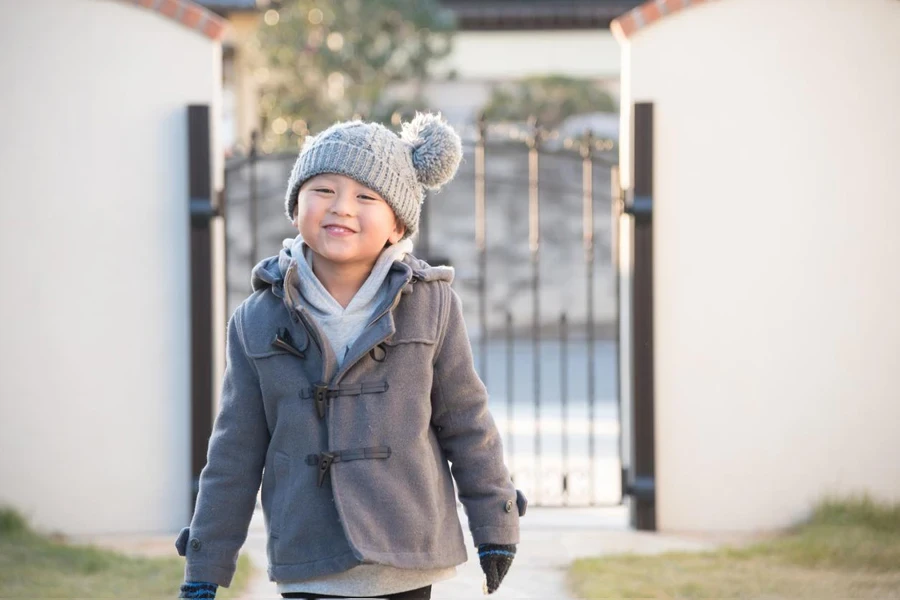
{"points": [[355, 461], [339, 324]]}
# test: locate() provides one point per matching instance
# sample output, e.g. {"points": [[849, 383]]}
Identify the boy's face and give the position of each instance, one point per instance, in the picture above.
{"points": [[343, 221]]}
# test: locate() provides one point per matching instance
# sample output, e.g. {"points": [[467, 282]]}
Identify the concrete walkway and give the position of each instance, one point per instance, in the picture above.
{"points": [[551, 538]]}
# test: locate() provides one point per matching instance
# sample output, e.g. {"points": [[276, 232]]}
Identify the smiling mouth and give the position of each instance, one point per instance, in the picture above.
{"points": [[338, 229]]}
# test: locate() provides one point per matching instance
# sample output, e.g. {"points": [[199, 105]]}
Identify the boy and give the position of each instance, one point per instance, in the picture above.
{"points": [[349, 386]]}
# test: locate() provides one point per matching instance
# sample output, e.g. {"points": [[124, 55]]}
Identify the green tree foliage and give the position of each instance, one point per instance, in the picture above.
{"points": [[329, 60], [551, 99]]}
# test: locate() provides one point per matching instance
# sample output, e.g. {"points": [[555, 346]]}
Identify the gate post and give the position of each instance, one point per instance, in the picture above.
{"points": [[203, 271], [640, 478]]}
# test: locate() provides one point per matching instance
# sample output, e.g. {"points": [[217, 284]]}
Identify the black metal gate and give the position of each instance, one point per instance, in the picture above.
{"points": [[560, 448]]}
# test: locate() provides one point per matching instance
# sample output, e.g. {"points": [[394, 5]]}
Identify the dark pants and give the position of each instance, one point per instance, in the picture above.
{"points": [[418, 594]]}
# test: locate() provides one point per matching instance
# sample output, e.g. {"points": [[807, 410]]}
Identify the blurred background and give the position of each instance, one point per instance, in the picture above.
{"points": [[672, 230]]}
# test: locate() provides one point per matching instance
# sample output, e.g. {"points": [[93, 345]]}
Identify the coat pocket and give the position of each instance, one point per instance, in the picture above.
{"points": [[282, 471]]}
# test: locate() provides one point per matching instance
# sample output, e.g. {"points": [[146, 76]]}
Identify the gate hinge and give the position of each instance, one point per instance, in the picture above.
{"points": [[640, 206], [643, 487]]}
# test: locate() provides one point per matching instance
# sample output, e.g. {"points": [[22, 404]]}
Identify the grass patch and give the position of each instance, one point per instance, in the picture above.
{"points": [[847, 549], [37, 566]]}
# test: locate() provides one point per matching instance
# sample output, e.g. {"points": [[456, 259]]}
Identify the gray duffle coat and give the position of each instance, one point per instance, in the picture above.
{"points": [[355, 463]]}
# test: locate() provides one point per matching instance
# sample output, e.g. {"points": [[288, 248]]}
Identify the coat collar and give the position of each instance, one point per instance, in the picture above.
{"points": [[402, 275]]}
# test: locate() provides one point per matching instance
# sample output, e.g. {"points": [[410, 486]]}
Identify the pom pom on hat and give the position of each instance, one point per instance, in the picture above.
{"points": [[436, 149]]}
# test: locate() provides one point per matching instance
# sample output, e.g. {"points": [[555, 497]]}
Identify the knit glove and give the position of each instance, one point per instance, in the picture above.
{"points": [[198, 589], [495, 561]]}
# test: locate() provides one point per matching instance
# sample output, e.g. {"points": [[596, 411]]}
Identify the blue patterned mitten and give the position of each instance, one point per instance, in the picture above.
{"points": [[495, 561], [198, 589]]}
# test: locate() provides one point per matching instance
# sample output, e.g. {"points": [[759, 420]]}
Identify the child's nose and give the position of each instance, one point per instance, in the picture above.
{"points": [[344, 202]]}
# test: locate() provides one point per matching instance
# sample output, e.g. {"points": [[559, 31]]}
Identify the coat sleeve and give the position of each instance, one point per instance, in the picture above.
{"points": [[469, 436], [230, 480]]}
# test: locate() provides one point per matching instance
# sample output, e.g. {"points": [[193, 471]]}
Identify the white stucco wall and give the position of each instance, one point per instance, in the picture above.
{"points": [[482, 59], [777, 260], [94, 356], [501, 55]]}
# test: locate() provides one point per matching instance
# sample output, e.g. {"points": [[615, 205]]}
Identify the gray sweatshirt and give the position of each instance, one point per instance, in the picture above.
{"points": [[342, 326]]}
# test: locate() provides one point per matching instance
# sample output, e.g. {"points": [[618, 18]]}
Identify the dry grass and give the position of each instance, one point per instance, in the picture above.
{"points": [[36, 566], [848, 549]]}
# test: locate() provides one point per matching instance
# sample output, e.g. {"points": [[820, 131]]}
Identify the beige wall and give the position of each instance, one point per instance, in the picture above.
{"points": [[94, 356], [502, 55], [482, 59], [776, 203]]}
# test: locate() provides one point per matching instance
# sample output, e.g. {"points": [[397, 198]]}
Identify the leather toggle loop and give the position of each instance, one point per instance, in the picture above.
{"points": [[284, 341], [320, 394], [325, 460], [378, 353]]}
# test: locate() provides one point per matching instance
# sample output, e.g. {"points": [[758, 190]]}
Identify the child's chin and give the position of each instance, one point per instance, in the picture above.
{"points": [[339, 256]]}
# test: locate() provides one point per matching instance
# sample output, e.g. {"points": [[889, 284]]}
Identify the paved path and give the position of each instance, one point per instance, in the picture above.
{"points": [[551, 538]]}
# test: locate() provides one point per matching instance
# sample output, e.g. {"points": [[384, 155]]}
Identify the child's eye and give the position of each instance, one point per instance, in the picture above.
{"points": [[365, 197], [323, 190]]}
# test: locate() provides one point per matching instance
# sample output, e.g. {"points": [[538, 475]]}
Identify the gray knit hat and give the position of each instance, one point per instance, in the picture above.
{"points": [[426, 154]]}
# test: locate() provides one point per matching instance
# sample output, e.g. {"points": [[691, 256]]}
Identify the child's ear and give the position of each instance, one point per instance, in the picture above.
{"points": [[398, 233]]}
